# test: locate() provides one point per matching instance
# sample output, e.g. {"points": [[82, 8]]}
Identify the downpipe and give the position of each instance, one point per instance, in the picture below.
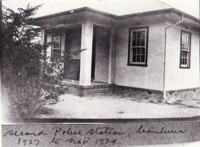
{"points": [[165, 48]]}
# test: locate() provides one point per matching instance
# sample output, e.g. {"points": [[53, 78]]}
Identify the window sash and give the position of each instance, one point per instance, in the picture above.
{"points": [[138, 55], [56, 48], [185, 50], [184, 58], [138, 46]]}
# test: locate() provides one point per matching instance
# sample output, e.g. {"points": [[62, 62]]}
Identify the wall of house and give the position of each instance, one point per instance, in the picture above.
{"points": [[101, 44], [150, 77], [176, 77]]}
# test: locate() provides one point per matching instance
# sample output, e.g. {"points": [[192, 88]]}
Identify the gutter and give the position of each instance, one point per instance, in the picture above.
{"points": [[165, 48]]}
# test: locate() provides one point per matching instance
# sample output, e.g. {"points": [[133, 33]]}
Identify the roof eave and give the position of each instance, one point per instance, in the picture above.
{"points": [[116, 17], [74, 11]]}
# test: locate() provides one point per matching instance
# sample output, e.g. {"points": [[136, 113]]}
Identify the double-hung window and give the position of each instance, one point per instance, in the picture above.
{"points": [[56, 48], [138, 43], [185, 50]]}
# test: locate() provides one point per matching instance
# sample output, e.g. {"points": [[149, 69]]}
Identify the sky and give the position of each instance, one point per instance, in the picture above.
{"points": [[53, 6]]}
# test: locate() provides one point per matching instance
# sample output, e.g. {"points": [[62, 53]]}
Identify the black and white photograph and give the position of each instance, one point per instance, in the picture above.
{"points": [[104, 66]]}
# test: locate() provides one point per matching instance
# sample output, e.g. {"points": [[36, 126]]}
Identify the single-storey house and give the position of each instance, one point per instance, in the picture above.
{"points": [[154, 53]]}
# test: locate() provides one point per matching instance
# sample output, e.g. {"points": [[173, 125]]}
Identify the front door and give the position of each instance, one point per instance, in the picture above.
{"points": [[72, 46]]}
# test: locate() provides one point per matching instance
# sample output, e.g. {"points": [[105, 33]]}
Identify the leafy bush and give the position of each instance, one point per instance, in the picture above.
{"points": [[21, 66], [29, 78]]}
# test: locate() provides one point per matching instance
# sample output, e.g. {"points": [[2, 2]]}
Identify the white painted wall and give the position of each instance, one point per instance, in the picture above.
{"points": [[150, 77], [102, 54], [176, 77]]}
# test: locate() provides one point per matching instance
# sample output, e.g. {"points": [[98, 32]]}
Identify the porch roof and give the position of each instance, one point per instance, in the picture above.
{"points": [[110, 15], [86, 14]]}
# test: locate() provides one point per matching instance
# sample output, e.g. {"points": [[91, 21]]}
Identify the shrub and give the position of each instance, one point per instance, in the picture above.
{"points": [[30, 79], [21, 64]]}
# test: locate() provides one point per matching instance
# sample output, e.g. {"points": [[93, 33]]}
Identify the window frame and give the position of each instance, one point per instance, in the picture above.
{"points": [[130, 63], [56, 35], [189, 51]]}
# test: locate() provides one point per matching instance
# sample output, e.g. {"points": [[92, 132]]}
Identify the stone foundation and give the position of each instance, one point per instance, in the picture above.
{"points": [[183, 94], [110, 89], [93, 90], [137, 92]]}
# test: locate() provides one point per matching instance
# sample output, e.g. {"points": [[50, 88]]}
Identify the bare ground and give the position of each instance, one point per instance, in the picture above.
{"points": [[71, 106]]}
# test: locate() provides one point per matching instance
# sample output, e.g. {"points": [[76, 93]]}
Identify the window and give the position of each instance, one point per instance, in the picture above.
{"points": [[185, 50], [56, 48], [138, 46]]}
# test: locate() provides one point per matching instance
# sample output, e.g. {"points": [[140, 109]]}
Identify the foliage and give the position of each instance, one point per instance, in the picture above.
{"points": [[29, 78], [19, 53], [54, 71], [23, 69], [21, 61]]}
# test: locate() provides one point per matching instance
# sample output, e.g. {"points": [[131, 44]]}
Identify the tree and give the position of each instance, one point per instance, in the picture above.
{"points": [[25, 72], [21, 63]]}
